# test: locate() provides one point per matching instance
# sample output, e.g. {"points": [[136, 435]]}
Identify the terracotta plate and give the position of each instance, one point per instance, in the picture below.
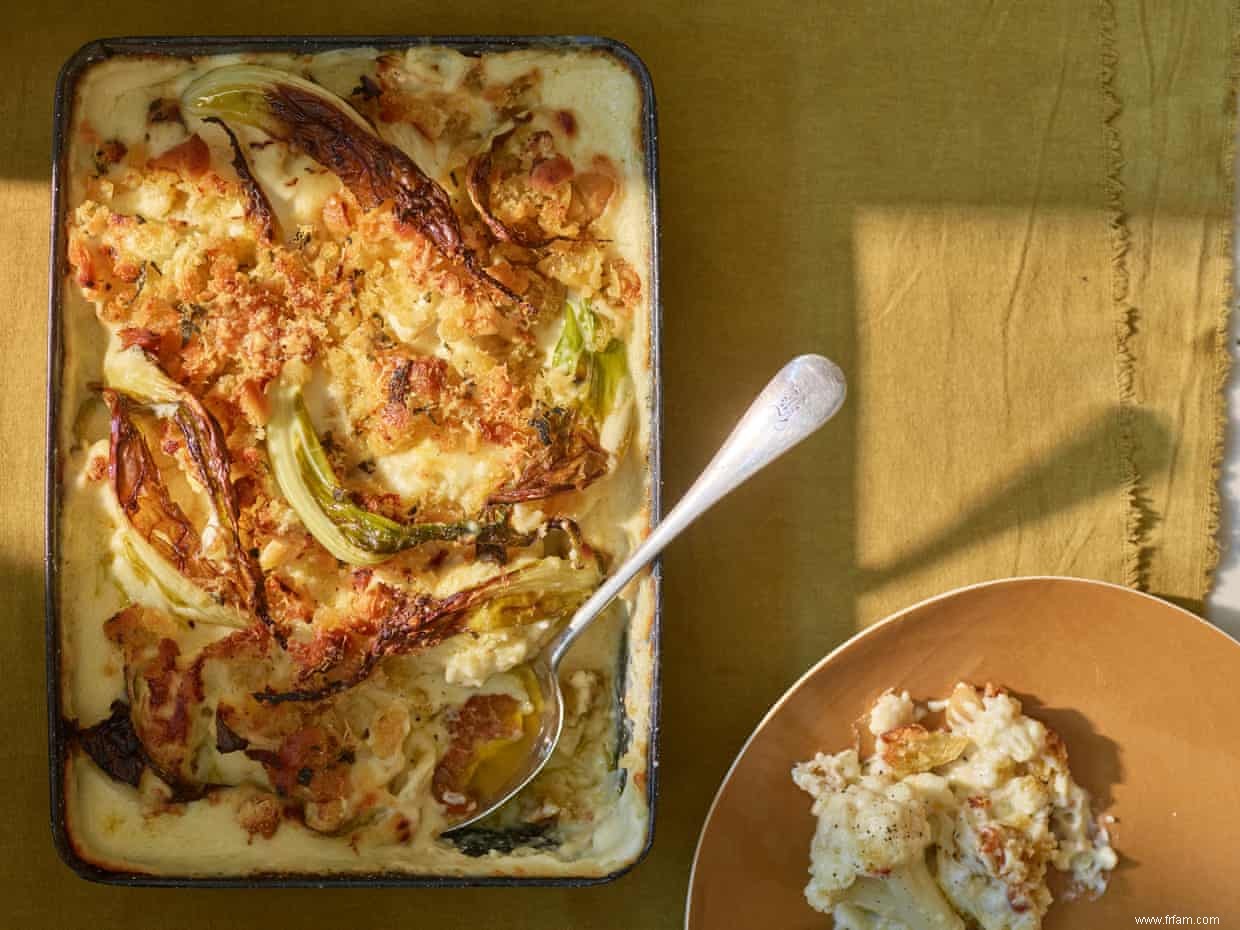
{"points": [[1146, 695]]}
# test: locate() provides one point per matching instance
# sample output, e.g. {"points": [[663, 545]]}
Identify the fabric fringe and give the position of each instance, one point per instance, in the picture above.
{"points": [[1139, 517], [1222, 336]]}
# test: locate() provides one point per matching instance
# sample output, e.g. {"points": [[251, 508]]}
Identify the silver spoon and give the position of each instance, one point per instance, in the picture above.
{"points": [[802, 397]]}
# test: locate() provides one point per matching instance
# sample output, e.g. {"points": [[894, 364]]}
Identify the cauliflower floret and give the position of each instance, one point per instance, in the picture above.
{"points": [[868, 853], [906, 899], [994, 723], [863, 830], [824, 774]]}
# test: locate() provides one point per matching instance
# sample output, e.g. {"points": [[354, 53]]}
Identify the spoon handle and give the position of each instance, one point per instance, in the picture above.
{"points": [[802, 397]]}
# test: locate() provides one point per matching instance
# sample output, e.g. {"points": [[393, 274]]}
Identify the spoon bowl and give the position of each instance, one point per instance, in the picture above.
{"points": [[804, 395], [550, 726]]}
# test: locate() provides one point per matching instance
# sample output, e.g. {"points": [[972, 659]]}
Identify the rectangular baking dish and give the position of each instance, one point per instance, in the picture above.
{"points": [[59, 731]]}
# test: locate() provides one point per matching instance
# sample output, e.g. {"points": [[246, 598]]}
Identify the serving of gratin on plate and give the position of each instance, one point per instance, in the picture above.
{"points": [[1005, 756], [939, 824], [355, 408]]}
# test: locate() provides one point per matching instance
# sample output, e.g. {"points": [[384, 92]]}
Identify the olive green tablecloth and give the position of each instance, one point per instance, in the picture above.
{"points": [[1007, 221]]}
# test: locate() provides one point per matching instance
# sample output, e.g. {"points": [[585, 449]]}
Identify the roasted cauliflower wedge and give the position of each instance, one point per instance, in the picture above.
{"points": [[950, 827]]}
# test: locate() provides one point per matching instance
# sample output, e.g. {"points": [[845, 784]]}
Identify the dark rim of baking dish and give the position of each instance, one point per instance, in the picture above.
{"points": [[187, 46]]}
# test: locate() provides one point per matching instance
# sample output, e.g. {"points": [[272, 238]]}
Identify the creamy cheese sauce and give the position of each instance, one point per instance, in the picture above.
{"points": [[120, 827]]}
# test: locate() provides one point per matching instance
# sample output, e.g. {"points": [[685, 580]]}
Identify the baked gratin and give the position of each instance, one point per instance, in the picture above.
{"points": [[951, 826], [355, 411]]}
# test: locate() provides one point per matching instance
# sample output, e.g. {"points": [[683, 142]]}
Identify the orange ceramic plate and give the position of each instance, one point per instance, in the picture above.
{"points": [[1146, 695]]}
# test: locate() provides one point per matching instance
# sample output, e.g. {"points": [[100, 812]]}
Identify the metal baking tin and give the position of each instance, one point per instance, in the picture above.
{"points": [[188, 46]]}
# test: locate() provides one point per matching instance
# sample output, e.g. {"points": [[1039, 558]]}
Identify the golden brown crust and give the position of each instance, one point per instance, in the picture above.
{"points": [[399, 296], [379, 173], [191, 158], [912, 748], [260, 815]]}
